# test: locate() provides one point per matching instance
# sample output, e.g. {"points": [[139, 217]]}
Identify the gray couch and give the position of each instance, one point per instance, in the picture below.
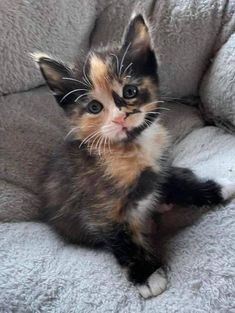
{"points": [[195, 44]]}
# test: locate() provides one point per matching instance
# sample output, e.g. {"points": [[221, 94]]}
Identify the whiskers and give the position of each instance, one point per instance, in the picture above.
{"points": [[76, 80], [186, 100], [120, 65], [123, 58], [85, 82], [126, 69], [117, 61], [74, 129], [85, 76], [97, 141], [155, 109], [71, 92]]}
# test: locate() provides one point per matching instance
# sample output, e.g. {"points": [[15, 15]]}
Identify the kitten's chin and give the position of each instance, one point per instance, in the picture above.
{"points": [[120, 135], [117, 134]]}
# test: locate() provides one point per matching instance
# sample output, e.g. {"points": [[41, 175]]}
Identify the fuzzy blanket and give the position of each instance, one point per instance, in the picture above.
{"points": [[39, 272]]}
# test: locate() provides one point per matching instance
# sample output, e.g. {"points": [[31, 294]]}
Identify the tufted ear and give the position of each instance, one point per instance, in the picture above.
{"points": [[137, 41], [59, 78]]}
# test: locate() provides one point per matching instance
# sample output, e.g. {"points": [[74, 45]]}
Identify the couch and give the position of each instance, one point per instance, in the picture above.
{"points": [[195, 46]]}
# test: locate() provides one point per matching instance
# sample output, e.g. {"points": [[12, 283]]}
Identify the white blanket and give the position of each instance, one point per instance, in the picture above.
{"points": [[39, 272]]}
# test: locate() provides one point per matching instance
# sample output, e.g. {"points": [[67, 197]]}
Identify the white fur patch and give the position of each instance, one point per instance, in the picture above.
{"points": [[36, 56], [154, 140], [228, 189], [145, 205], [154, 286]]}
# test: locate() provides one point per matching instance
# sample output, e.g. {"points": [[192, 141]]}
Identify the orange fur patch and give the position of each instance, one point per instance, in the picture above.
{"points": [[150, 86], [124, 164], [142, 38], [116, 214], [135, 228], [99, 73], [86, 126]]}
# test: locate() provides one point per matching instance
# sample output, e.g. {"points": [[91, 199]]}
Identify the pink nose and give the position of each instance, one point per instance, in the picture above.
{"points": [[120, 119]]}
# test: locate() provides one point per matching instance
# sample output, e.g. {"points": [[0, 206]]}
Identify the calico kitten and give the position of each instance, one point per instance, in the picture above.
{"points": [[106, 184]]}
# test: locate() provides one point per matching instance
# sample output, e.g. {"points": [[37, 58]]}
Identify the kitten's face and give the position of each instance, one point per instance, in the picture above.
{"points": [[114, 97]]}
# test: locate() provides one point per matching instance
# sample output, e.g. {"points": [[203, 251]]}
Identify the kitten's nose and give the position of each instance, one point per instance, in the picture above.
{"points": [[120, 119]]}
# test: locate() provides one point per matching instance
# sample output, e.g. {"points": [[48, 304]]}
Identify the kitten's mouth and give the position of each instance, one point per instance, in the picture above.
{"points": [[122, 130], [120, 127]]}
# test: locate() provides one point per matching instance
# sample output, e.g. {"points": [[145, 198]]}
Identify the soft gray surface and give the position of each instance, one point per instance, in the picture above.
{"points": [[218, 86], [186, 36], [31, 124], [59, 27], [38, 271]]}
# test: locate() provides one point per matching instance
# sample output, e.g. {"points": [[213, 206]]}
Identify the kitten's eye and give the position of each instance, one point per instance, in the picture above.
{"points": [[130, 91], [94, 107]]}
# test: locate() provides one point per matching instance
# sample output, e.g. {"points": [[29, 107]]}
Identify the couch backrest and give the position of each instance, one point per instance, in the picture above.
{"points": [[59, 27]]}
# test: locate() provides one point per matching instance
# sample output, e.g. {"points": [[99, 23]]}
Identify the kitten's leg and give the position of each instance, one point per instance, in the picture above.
{"points": [[183, 187], [154, 286], [144, 269]]}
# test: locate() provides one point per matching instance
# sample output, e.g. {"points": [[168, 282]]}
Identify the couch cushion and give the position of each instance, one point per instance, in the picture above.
{"points": [[31, 123], [218, 87], [40, 272], [59, 27], [184, 36]]}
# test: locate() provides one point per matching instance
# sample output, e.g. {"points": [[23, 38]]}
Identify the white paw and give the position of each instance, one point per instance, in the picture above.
{"points": [[228, 189], [154, 286]]}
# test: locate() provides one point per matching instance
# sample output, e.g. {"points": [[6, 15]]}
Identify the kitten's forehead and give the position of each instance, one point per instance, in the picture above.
{"points": [[103, 77], [99, 71], [107, 79]]}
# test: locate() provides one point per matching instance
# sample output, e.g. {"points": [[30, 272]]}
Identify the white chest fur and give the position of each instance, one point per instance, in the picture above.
{"points": [[153, 141]]}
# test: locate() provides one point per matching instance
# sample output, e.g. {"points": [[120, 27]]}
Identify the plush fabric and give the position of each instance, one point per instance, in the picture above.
{"points": [[58, 27], [186, 36], [218, 86], [31, 123], [39, 272]]}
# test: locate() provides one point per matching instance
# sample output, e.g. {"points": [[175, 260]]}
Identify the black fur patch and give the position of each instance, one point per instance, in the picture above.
{"points": [[140, 270], [182, 187], [145, 185], [149, 119], [61, 81], [144, 96], [140, 52], [119, 101], [139, 262]]}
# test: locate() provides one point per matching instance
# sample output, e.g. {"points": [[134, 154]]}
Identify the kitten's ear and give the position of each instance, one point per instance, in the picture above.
{"points": [[138, 42], [58, 78]]}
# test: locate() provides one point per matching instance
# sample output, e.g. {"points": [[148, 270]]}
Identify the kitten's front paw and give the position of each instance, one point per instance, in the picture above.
{"points": [[154, 285], [227, 189]]}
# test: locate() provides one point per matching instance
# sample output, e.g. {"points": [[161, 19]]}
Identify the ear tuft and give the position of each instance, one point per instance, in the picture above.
{"points": [[137, 43], [137, 33], [36, 56], [58, 77], [52, 70]]}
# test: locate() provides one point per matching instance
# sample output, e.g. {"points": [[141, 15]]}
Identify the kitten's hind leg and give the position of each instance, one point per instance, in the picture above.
{"points": [[227, 189], [143, 269], [154, 285], [183, 187]]}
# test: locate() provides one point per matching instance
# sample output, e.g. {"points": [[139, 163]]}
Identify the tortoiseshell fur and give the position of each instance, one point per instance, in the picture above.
{"points": [[104, 184]]}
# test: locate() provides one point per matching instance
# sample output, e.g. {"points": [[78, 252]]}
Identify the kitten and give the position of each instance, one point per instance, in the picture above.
{"points": [[107, 184]]}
